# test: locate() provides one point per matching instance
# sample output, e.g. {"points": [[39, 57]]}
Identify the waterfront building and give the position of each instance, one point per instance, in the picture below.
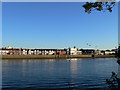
{"points": [[24, 51], [15, 51], [110, 52], [4, 52], [72, 51], [97, 52], [102, 52], [30, 52], [61, 51], [9, 47], [10, 51], [79, 52], [88, 51]]}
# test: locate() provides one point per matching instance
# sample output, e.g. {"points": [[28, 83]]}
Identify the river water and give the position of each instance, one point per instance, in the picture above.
{"points": [[61, 73]]}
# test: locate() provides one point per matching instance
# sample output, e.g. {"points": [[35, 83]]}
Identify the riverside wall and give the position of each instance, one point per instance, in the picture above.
{"points": [[54, 56]]}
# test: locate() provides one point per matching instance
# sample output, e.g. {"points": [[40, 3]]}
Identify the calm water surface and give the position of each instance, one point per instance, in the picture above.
{"points": [[74, 73]]}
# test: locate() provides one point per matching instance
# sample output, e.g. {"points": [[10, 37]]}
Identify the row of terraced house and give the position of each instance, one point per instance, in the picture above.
{"points": [[70, 51]]}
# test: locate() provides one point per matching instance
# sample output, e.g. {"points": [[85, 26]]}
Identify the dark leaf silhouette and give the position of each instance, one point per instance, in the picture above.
{"points": [[99, 6]]}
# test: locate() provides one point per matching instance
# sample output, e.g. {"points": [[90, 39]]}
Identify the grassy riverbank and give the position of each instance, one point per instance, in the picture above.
{"points": [[53, 56]]}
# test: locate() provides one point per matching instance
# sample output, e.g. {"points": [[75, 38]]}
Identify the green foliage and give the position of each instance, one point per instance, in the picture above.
{"points": [[114, 81], [99, 6]]}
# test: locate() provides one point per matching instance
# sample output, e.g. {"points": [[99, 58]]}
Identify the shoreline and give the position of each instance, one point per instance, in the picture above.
{"points": [[54, 56]]}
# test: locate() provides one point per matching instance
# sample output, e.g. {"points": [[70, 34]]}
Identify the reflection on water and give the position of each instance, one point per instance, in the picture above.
{"points": [[73, 59], [72, 73], [73, 66]]}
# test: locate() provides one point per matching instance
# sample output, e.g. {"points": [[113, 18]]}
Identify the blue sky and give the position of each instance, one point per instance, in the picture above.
{"points": [[58, 25]]}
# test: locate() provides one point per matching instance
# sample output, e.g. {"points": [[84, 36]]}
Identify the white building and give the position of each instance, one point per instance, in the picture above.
{"points": [[109, 52], [9, 47], [79, 52], [24, 52], [72, 51], [98, 52], [51, 52], [4, 52]]}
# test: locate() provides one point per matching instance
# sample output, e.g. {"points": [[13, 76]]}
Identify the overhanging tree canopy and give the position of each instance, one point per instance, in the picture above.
{"points": [[99, 6]]}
